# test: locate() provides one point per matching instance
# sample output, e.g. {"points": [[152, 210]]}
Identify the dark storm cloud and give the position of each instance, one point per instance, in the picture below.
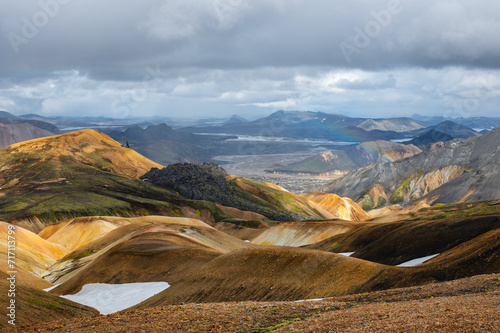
{"points": [[111, 39], [233, 50]]}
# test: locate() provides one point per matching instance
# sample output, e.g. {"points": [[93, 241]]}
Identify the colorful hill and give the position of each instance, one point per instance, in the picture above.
{"points": [[84, 173]]}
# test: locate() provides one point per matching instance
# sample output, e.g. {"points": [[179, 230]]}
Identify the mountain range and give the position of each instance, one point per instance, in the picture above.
{"points": [[453, 171], [351, 158]]}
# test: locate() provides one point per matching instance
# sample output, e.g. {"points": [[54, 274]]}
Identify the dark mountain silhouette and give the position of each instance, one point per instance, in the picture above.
{"points": [[7, 115], [447, 130]]}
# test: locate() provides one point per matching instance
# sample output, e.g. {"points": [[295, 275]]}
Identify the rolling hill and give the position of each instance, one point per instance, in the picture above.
{"points": [[143, 249]]}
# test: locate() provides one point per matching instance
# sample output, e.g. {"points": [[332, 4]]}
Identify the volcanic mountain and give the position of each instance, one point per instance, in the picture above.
{"points": [[444, 131], [455, 171], [352, 158]]}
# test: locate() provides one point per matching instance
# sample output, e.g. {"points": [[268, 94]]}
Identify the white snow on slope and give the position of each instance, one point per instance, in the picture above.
{"points": [[110, 298], [417, 261], [347, 254], [50, 288]]}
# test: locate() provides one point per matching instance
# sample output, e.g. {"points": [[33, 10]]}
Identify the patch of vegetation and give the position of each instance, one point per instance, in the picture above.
{"points": [[401, 191], [43, 303], [381, 201], [254, 224], [367, 202], [80, 255]]}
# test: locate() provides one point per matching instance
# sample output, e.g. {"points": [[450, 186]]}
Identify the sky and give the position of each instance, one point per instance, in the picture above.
{"points": [[216, 58]]}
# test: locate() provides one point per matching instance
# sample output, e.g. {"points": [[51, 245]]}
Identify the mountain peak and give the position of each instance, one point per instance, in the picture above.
{"points": [[87, 146]]}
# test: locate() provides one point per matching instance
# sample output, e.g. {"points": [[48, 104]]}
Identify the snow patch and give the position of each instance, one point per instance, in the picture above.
{"points": [[111, 298], [50, 288], [417, 261], [347, 254], [312, 299]]}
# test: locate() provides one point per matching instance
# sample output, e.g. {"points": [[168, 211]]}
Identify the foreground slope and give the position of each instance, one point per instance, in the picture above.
{"points": [[465, 305], [35, 305], [281, 273], [461, 170]]}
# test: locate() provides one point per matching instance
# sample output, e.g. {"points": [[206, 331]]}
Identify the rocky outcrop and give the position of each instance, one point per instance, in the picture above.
{"points": [[209, 182]]}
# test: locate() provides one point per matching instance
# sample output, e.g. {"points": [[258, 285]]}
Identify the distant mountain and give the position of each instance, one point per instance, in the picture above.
{"points": [[7, 115], [455, 130], [455, 171], [392, 124], [14, 131], [472, 122], [313, 125], [444, 131], [351, 158], [235, 120], [152, 133], [430, 137], [161, 143]]}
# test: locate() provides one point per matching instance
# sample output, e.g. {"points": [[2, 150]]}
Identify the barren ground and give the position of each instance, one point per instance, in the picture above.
{"points": [[466, 305]]}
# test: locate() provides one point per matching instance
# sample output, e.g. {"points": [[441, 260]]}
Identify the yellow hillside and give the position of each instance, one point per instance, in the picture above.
{"points": [[89, 147], [343, 208], [33, 253]]}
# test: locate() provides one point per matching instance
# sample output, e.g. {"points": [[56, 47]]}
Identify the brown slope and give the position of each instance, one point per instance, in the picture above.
{"points": [[77, 232], [480, 255], [273, 273], [304, 233], [34, 305], [283, 273], [397, 242], [342, 208], [147, 249]]}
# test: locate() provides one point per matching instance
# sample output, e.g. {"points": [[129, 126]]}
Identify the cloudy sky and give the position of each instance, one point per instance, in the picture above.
{"points": [[202, 58]]}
